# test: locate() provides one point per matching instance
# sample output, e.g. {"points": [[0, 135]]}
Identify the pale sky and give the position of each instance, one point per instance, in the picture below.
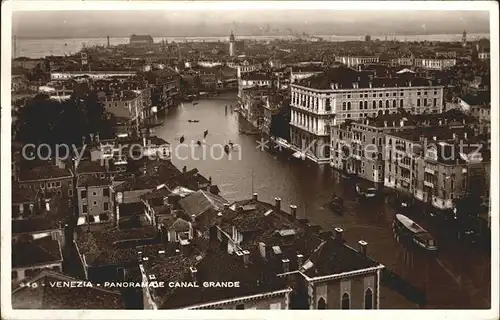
{"points": [[46, 24]]}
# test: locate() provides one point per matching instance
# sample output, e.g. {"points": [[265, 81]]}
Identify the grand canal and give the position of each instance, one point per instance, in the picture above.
{"points": [[458, 277]]}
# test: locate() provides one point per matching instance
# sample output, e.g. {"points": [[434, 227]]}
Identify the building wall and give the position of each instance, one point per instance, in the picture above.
{"points": [[264, 303], [359, 103], [366, 143], [124, 108], [331, 291], [95, 201], [57, 186]]}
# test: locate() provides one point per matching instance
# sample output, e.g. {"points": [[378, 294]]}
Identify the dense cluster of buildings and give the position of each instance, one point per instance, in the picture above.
{"points": [[422, 114]]}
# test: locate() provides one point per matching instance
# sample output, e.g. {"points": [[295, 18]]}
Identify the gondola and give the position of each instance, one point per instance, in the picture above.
{"points": [[181, 139]]}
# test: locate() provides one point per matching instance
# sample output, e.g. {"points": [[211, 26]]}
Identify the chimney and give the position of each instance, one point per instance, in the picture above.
{"points": [[362, 246], [193, 273], [218, 220], [286, 265], [184, 169], [338, 234], [255, 196], [300, 260], [117, 214], [277, 204], [186, 247], [246, 257], [293, 211]]}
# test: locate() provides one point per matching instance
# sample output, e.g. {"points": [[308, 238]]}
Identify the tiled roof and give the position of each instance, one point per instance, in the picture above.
{"points": [[180, 225], [333, 257], [36, 252], [44, 296], [345, 78], [131, 209], [201, 201], [91, 181], [34, 225], [22, 195], [220, 266], [112, 238], [89, 167], [44, 172]]}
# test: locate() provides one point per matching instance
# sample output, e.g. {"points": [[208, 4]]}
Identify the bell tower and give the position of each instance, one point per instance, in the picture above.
{"points": [[232, 45]]}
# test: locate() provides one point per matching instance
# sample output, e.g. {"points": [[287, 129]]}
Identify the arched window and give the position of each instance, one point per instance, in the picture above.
{"points": [[366, 104], [394, 103], [360, 105], [349, 105], [380, 103], [401, 103], [346, 301], [387, 103], [321, 304], [418, 102], [374, 105], [343, 106], [368, 299]]}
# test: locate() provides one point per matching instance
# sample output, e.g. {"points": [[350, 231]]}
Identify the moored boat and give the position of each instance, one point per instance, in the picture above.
{"points": [[336, 204], [404, 226]]}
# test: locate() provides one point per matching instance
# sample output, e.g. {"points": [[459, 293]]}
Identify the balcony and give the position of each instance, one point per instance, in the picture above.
{"points": [[428, 184], [430, 171]]}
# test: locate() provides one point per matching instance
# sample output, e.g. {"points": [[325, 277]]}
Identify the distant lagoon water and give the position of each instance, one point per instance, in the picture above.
{"points": [[38, 48]]}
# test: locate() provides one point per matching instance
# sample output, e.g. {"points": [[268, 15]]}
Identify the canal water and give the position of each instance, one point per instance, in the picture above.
{"points": [[458, 277]]}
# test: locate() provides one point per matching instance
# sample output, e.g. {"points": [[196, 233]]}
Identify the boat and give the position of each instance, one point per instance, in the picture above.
{"points": [[406, 227], [299, 155], [193, 121], [226, 149], [198, 142], [205, 134], [336, 203], [369, 192]]}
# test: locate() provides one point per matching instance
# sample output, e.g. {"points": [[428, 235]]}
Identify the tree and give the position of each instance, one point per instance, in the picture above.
{"points": [[43, 120]]}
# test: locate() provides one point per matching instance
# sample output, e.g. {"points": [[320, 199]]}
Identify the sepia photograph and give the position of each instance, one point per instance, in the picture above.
{"points": [[249, 156]]}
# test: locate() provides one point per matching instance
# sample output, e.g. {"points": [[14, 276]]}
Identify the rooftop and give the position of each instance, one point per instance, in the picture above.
{"points": [[342, 78], [43, 172], [92, 181], [44, 296], [213, 266], [37, 252], [113, 238], [334, 257], [202, 201]]}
